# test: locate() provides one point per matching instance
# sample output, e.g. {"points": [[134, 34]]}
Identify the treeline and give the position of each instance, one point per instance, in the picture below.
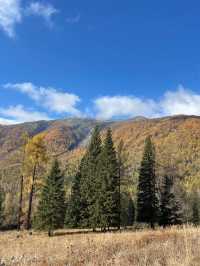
{"points": [[98, 199]]}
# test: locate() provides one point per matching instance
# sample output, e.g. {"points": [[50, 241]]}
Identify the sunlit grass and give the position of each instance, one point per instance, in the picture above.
{"points": [[178, 247]]}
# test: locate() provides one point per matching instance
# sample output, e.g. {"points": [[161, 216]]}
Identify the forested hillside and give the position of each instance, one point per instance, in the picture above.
{"points": [[176, 140]]}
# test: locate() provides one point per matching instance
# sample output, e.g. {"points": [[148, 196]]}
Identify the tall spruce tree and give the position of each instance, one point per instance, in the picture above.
{"points": [[88, 181], [147, 199], [170, 208], [167, 203], [51, 209], [108, 200], [74, 205]]}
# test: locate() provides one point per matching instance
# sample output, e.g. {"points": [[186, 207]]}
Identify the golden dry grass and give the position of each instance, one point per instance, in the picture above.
{"points": [[171, 247]]}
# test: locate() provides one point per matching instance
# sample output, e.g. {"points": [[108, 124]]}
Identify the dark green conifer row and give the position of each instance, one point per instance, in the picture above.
{"points": [[94, 201]]}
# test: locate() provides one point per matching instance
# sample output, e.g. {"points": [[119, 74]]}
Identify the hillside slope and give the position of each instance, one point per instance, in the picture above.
{"points": [[177, 140]]}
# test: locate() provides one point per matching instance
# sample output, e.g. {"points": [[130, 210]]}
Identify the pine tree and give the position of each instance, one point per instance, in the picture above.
{"points": [[108, 203], [131, 212], [88, 181], [74, 205], [178, 212], [171, 213], [195, 212], [51, 209], [147, 200], [127, 210], [167, 203]]}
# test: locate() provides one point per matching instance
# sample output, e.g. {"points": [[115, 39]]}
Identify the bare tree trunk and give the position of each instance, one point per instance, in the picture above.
{"points": [[20, 202], [50, 233], [152, 226], [28, 222], [119, 226]]}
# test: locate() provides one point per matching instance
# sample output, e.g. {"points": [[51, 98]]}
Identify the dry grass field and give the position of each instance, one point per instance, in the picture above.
{"points": [[170, 247]]}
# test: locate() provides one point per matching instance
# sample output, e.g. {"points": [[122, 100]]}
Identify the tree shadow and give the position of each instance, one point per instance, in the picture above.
{"points": [[83, 232]]}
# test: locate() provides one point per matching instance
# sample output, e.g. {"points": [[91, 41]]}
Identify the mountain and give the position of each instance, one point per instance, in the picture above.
{"points": [[60, 135], [176, 138]]}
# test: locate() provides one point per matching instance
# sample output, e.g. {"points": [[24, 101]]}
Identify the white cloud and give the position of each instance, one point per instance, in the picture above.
{"points": [[50, 98], [73, 20], [12, 12], [17, 114], [180, 101], [44, 10], [10, 15], [173, 102], [123, 106]]}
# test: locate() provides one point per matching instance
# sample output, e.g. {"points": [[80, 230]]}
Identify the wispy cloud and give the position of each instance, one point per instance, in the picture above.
{"points": [[73, 20], [18, 114], [50, 98], [44, 10], [12, 12], [10, 15]]}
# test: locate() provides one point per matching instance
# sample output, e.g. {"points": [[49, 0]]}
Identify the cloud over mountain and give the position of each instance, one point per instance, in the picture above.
{"points": [[50, 98], [173, 102], [50, 102]]}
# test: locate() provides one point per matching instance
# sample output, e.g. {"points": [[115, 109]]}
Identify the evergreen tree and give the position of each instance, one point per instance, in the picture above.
{"points": [[127, 210], [178, 212], [108, 200], [74, 205], [167, 203], [171, 213], [131, 212], [88, 181], [147, 200], [195, 212], [51, 209]]}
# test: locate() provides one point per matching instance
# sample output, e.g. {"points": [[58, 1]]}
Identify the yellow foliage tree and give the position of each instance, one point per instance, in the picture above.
{"points": [[35, 158]]}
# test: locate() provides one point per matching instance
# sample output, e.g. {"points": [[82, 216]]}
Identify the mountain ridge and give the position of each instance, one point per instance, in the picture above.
{"points": [[177, 139]]}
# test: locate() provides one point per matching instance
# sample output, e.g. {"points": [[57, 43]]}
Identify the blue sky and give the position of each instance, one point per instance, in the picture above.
{"points": [[102, 59]]}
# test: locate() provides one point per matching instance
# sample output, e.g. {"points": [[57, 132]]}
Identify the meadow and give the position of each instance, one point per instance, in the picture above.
{"points": [[169, 247]]}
